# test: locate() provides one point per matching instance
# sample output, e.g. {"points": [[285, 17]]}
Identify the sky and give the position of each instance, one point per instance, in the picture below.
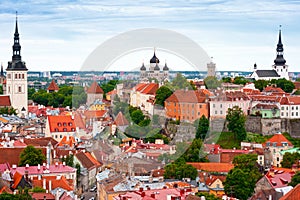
{"points": [[238, 33]]}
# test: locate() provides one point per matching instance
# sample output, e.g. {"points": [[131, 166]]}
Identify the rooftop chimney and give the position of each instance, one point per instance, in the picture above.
{"points": [[39, 167], [152, 195], [26, 166]]}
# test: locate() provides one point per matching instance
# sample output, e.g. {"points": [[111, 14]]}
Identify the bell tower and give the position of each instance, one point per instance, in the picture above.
{"points": [[16, 77]]}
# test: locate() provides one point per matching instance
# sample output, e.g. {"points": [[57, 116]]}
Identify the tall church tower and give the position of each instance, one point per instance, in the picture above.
{"points": [[279, 63], [16, 77]]}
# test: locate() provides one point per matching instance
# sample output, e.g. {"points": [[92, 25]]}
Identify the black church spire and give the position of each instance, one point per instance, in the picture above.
{"points": [[16, 62], [279, 61]]}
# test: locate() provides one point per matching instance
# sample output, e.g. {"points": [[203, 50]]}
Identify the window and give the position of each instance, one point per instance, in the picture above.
{"points": [[277, 159], [221, 112], [287, 114], [56, 130], [274, 144], [23, 76], [216, 112], [220, 105], [192, 105], [296, 113], [200, 106], [19, 89], [198, 113], [64, 129], [265, 114], [58, 124], [8, 76], [70, 124], [296, 107], [19, 76], [16, 76], [287, 108], [72, 129], [292, 113], [268, 144], [60, 136], [292, 107], [282, 108], [65, 124], [8, 89], [214, 105], [282, 114], [56, 136]]}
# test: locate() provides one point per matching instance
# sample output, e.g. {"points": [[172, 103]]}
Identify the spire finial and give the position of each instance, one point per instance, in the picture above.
{"points": [[16, 15]]}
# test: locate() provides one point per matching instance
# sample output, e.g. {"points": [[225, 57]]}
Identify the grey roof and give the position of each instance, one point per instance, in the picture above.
{"points": [[267, 73]]}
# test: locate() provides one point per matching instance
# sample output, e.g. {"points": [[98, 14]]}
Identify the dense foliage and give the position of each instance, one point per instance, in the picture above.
{"points": [[236, 122], [72, 96], [21, 195], [202, 126], [8, 111], [295, 179], [285, 85], [240, 181], [289, 159], [211, 82], [32, 156], [195, 153], [179, 170], [162, 94]]}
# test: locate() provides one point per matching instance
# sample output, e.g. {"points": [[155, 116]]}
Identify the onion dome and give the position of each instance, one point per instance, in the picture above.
{"points": [[154, 59], [156, 68], [143, 68], [166, 68]]}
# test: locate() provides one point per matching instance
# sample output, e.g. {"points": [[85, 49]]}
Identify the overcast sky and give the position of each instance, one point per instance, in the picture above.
{"points": [[237, 33]]}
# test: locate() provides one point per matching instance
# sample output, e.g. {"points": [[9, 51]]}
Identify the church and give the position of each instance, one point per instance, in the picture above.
{"points": [[279, 69], [154, 71], [15, 84]]}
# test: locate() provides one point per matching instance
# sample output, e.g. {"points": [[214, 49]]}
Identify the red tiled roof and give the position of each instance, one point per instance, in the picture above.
{"points": [[265, 106], [273, 89], [297, 85], [147, 88], [212, 167], [4, 100], [56, 182], [33, 170], [278, 139], [279, 177], [112, 92], [121, 120], [61, 123], [85, 160], [42, 196], [95, 89], [293, 194], [53, 86], [190, 96], [40, 142]]}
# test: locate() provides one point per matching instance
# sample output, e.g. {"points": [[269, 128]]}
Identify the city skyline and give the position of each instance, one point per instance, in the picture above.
{"points": [[236, 34]]}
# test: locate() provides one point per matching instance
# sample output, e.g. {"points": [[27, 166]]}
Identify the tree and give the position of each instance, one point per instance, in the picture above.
{"points": [[289, 159], [37, 190], [194, 152], [202, 127], [226, 79], [180, 82], [69, 160], [137, 116], [179, 170], [285, 85], [162, 94], [208, 196], [236, 122], [30, 92], [32, 156], [240, 80], [8, 111], [295, 179], [241, 180], [211, 82], [261, 84]]}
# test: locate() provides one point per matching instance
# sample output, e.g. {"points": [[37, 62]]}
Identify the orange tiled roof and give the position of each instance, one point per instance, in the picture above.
{"points": [[273, 89], [56, 182], [293, 194], [114, 91], [278, 139], [95, 89], [5, 189], [147, 88], [43, 196], [17, 179], [94, 113], [5, 100], [212, 167], [53, 86], [61, 123], [190, 96], [67, 141], [79, 121]]}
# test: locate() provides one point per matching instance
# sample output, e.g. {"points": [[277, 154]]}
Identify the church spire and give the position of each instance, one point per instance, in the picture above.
{"points": [[16, 47], [16, 63], [1, 73], [279, 61]]}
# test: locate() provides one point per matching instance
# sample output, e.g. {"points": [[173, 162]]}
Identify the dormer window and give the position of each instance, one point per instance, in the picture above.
{"points": [[58, 124], [274, 144], [65, 124], [65, 129], [268, 144], [70, 124], [56, 129]]}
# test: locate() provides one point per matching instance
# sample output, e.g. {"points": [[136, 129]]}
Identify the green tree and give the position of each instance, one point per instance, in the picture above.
{"points": [[285, 85], [241, 180], [226, 79], [180, 82], [69, 160], [32, 156], [179, 170], [8, 111], [202, 126], [289, 159], [261, 84], [194, 152], [211, 82], [137, 116], [236, 122], [37, 190], [240, 80], [295, 179], [78, 170], [162, 94]]}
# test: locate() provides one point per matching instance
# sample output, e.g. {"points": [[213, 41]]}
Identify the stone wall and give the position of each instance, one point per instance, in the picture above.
{"points": [[271, 126], [217, 125], [253, 124]]}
